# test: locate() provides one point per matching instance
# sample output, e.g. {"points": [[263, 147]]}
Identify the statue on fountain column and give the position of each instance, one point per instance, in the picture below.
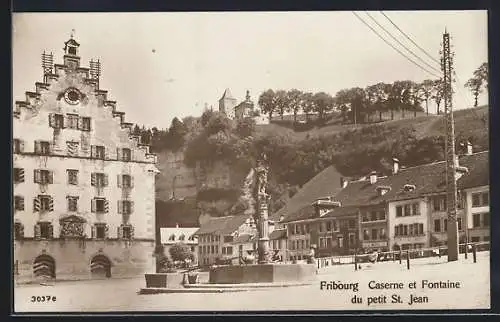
{"points": [[262, 198]]}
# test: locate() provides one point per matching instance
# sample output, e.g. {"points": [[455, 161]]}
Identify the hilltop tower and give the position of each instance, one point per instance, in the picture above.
{"points": [[227, 103]]}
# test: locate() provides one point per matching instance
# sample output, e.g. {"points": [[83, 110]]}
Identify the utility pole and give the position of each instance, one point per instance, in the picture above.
{"points": [[451, 164]]}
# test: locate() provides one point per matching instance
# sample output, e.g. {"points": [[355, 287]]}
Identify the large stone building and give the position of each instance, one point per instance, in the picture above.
{"points": [[84, 188]]}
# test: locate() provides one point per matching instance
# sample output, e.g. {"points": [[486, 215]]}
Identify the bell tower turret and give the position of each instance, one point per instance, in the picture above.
{"points": [[71, 58]]}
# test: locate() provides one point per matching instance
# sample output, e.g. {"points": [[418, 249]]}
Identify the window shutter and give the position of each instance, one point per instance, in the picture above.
{"points": [[131, 207], [131, 181], [51, 177], [21, 203], [105, 180], [131, 154], [51, 231], [120, 232], [51, 204], [131, 232], [119, 180], [106, 206], [21, 145], [36, 204], [92, 205], [93, 179], [52, 120], [120, 207], [106, 153], [80, 123], [118, 154], [106, 231], [21, 175], [93, 151], [37, 231], [93, 231]]}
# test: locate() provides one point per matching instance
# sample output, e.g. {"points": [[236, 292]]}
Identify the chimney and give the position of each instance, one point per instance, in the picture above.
{"points": [[373, 177], [395, 166], [343, 182], [282, 217], [176, 225], [469, 148]]}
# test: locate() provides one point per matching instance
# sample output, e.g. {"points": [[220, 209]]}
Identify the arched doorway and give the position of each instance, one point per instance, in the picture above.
{"points": [[44, 267], [100, 267]]}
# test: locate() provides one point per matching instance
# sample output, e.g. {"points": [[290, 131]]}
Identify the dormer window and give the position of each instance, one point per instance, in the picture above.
{"points": [[172, 237], [382, 190], [409, 188]]}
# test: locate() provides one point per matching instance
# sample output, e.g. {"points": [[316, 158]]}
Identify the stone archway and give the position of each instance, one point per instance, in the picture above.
{"points": [[44, 267], [100, 266]]}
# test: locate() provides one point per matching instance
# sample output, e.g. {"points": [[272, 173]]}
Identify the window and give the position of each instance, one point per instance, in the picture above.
{"points": [[382, 233], [366, 235], [72, 121], [125, 207], [476, 220], [72, 176], [486, 219], [42, 147], [352, 241], [396, 231], [99, 205], [126, 155], [17, 146], [365, 217], [100, 231], [18, 175], [381, 215], [228, 239], [98, 180], [322, 227], [18, 203], [445, 225], [85, 124], [352, 223], [375, 234], [480, 199], [421, 229], [45, 203], [439, 203], [72, 203], [475, 239], [127, 232], [56, 121], [182, 237], [98, 152], [43, 176], [399, 211], [405, 230], [459, 221], [18, 231], [45, 230], [415, 209], [329, 226], [125, 181], [373, 216]]}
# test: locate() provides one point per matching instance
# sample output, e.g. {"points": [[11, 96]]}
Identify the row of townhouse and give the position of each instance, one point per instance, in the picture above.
{"points": [[406, 210]]}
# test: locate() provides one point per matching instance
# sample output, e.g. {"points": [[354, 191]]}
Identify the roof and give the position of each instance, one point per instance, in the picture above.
{"points": [[177, 234], [277, 234], [243, 238], [325, 183], [222, 225], [227, 94], [427, 179]]}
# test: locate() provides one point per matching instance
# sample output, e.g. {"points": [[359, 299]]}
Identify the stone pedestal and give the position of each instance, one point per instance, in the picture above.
{"points": [[262, 273]]}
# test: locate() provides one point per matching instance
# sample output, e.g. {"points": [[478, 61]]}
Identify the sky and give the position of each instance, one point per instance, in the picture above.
{"points": [[158, 66]]}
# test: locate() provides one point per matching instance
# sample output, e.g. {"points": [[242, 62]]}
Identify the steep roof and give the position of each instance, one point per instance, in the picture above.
{"points": [[427, 179], [227, 95], [326, 183], [222, 225], [243, 238]]}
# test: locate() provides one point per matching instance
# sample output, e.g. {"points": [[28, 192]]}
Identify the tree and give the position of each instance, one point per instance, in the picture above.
{"points": [[438, 93], [478, 81], [282, 102], [267, 102], [180, 252], [245, 127], [357, 98], [176, 134], [294, 98], [323, 103], [342, 103], [307, 104], [426, 88]]}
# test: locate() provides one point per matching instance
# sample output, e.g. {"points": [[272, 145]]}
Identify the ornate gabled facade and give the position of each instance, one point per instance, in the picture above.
{"points": [[84, 188]]}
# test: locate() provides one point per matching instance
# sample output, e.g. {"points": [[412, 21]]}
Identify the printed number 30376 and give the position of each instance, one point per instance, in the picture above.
{"points": [[45, 298]]}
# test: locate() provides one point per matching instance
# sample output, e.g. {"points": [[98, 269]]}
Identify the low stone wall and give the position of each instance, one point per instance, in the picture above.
{"points": [[171, 280], [266, 273]]}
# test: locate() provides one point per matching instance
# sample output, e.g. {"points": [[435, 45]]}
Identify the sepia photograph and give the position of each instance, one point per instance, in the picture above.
{"points": [[250, 161]]}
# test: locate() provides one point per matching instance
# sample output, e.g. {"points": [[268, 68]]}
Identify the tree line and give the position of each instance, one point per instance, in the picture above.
{"points": [[359, 105]]}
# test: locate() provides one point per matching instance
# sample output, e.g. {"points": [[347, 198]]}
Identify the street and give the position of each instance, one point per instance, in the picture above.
{"points": [[121, 295]]}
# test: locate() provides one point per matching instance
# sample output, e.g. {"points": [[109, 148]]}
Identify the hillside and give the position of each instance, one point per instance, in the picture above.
{"points": [[354, 150]]}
